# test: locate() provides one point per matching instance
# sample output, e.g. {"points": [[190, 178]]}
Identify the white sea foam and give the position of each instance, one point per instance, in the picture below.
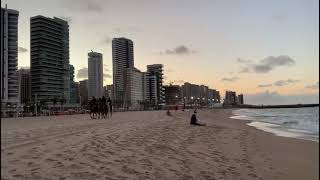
{"points": [[302, 123]]}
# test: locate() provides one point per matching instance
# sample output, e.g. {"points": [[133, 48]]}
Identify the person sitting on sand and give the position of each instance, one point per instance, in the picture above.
{"points": [[194, 120], [168, 113]]}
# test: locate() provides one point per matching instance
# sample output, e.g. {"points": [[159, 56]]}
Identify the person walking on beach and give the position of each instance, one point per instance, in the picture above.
{"points": [[194, 120], [110, 106]]}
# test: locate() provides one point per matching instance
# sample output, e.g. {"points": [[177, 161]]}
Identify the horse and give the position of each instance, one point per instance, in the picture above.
{"points": [[105, 111], [94, 109]]}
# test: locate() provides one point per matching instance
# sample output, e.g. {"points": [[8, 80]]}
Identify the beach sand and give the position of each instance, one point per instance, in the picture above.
{"points": [[151, 145]]}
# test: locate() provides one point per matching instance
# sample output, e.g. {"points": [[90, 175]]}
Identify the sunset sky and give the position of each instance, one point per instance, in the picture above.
{"points": [[266, 49]]}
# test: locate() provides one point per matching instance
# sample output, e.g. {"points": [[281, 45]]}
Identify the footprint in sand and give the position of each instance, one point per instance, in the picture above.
{"points": [[18, 175], [252, 175]]}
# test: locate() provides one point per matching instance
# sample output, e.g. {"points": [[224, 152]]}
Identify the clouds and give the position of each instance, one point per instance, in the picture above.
{"points": [[267, 64], [264, 85], [82, 73], [230, 79], [239, 60], [128, 29], [280, 83], [107, 40], [84, 5], [179, 50], [313, 86], [68, 19], [285, 82], [271, 98], [106, 76], [22, 50]]}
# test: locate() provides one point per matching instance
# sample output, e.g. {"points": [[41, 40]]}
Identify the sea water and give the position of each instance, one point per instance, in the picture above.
{"points": [[302, 123]]}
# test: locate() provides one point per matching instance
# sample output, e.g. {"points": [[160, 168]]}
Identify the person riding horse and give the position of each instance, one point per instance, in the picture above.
{"points": [[93, 107], [103, 108], [98, 107]]}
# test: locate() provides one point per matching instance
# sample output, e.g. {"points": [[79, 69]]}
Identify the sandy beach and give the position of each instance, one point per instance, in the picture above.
{"points": [[151, 145]]}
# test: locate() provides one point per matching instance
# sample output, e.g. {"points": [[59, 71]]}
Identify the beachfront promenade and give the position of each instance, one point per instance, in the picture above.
{"points": [[150, 145]]}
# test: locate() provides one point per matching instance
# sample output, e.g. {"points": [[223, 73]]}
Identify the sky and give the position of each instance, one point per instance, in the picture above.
{"points": [[265, 49]]}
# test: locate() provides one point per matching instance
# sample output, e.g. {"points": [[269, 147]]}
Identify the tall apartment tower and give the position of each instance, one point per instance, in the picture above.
{"points": [[83, 90], [155, 71], [150, 88], [9, 55], [49, 64], [95, 75], [230, 98], [240, 99], [134, 89], [24, 80], [122, 58]]}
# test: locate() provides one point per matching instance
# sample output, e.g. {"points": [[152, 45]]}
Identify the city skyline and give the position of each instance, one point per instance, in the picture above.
{"points": [[276, 55]]}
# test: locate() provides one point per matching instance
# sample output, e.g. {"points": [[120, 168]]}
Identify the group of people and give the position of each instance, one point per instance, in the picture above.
{"points": [[100, 108]]}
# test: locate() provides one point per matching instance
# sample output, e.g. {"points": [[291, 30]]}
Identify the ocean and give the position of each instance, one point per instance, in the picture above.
{"points": [[301, 123]]}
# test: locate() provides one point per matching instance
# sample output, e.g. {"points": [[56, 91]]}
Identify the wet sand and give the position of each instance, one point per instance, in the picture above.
{"points": [[151, 145]]}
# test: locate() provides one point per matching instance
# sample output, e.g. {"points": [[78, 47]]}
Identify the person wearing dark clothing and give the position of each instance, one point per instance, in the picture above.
{"points": [[93, 100], [194, 120], [168, 113], [93, 107], [103, 99]]}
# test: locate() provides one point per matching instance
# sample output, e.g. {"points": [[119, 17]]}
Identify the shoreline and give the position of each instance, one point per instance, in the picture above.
{"points": [[277, 130], [151, 145]]}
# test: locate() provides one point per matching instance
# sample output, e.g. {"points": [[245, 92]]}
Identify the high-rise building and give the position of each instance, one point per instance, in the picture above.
{"points": [[134, 89], [9, 55], [150, 89], [95, 75], [204, 94], [122, 58], [109, 91], [230, 98], [240, 99], [191, 92], [83, 90], [24, 80], [74, 87], [172, 94], [214, 96], [49, 64], [211, 95], [155, 71], [217, 98], [71, 71], [74, 93]]}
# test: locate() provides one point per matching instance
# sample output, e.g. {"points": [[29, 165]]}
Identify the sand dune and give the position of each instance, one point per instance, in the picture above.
{"points": [[150, 145]]}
